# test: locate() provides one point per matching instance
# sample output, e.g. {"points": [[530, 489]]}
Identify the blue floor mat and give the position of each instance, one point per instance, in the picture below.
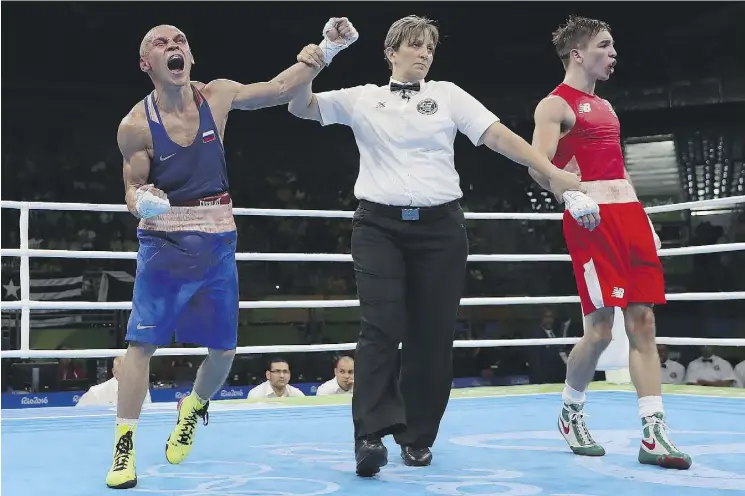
{"points": [[502, 446]]}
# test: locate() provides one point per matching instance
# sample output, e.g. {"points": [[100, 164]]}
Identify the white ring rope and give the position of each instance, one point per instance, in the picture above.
{"points": [[264, 304], [303, 348], [26, 304], [346, 214], [343, 257]]}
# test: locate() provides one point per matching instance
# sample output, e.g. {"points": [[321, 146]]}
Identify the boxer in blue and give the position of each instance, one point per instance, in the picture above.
{"points": [[176, 182]]}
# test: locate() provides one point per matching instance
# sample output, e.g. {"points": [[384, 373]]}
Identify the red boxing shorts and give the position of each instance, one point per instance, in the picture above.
{"points": [[615, 264]]}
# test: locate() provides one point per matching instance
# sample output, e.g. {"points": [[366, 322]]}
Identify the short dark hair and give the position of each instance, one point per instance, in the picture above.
{"points": [[339, 358], [276, 359], [574, 34]]}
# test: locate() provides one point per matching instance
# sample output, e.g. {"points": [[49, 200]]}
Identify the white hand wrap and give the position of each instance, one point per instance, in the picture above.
{"points": [[331, 48], [657, 242], [579, 204], [148, 205]]}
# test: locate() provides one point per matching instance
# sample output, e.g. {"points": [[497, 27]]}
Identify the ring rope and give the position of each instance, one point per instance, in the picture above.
{"points": [[264, 304], [26, 304], [342, 257], [346, 214], [302, 348]]}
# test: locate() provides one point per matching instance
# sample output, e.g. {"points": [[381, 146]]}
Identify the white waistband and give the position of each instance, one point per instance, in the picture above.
{"points": [[211, 219], [611, 191]]}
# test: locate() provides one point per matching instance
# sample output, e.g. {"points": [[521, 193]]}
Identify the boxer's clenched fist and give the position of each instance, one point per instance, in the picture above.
{"points": [[338, 33], [340, 30]]}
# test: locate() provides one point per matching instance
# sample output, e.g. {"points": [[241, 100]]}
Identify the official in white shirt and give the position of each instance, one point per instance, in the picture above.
{"points": [[277, 383], [710, 370], [671, 371], [343, 381], [740, 374], [105, 394], [409, 241]]}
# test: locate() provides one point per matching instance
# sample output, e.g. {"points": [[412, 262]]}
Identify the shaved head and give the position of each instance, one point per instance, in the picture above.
{"points": [[165, 55], [147, 41]]}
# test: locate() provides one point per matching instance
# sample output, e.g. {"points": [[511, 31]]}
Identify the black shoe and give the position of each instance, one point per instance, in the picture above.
{"points": [[370, 455], [416, 457]]}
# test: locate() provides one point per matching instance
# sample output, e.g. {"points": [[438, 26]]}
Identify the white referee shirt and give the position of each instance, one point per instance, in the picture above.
{"points": [[716, 369], [332, 387], [740, 374], [264, 390], [104, 394], [672, 372], [406, 146]]}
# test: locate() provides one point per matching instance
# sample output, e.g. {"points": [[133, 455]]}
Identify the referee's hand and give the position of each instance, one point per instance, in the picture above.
{"points": [[561, 181], [311, 55]]}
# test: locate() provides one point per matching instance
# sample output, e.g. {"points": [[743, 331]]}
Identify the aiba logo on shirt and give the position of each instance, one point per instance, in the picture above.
{"points": [[427, 106]]}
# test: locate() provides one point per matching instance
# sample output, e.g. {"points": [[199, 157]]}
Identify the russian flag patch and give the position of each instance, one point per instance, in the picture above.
{"points": [[208, 136]]}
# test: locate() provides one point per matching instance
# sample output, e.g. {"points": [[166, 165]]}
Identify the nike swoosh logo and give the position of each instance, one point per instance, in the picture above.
{"points": [[649, 446], [163, 159], [564, 426], [140, 326]]}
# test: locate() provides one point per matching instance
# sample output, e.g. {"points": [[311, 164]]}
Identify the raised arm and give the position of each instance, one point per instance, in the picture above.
{"points": [[305, 105], [143, 200], [338, 33], [297, 78]]}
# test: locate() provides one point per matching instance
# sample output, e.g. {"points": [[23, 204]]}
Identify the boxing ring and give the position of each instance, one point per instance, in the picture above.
{"points": [[493, 441]]}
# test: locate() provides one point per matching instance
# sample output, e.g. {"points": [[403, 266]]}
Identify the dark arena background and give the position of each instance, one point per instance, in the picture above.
{"points": [[70, 74]]}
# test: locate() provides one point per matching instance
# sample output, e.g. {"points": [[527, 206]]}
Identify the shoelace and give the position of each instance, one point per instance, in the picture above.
{"points": [[190, 423], [653, 421], [123, 451], [578, 419]]}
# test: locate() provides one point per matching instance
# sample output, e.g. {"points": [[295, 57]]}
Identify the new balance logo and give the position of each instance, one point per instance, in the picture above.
{"points": [[617, 293], [584, 108]]}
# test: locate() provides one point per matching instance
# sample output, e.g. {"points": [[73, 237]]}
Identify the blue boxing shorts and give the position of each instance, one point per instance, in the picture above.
{"points": [[187, 284]]}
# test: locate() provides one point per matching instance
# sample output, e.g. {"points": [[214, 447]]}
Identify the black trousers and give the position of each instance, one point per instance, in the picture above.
{"points": [[410, 276]]}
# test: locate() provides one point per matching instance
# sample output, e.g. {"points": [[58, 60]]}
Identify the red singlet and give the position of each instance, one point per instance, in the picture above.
{"points": [[615, 264]]}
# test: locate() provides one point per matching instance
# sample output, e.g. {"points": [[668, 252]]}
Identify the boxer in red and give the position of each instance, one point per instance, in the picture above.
{"points": [[615, 261]]}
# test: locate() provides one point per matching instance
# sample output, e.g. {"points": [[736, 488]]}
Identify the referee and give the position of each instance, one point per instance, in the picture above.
{"points": [[409, 241]]}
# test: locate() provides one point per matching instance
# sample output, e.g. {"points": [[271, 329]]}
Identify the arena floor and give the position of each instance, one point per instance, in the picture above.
{"points": [[493, 441]]}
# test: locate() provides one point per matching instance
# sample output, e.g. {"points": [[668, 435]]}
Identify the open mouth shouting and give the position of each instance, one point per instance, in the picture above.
{"points": [[175, 63]]}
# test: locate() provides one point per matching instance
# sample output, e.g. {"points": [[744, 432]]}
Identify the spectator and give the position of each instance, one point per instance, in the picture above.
{"points": [[105, 394], [740, 374], [710, 370], [547, 363], [343, 381], [277, 382], [671, 371]]}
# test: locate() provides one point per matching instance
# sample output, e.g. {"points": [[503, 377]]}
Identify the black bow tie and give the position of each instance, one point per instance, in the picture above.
{"points": [[404, 87], [707, 360]]}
